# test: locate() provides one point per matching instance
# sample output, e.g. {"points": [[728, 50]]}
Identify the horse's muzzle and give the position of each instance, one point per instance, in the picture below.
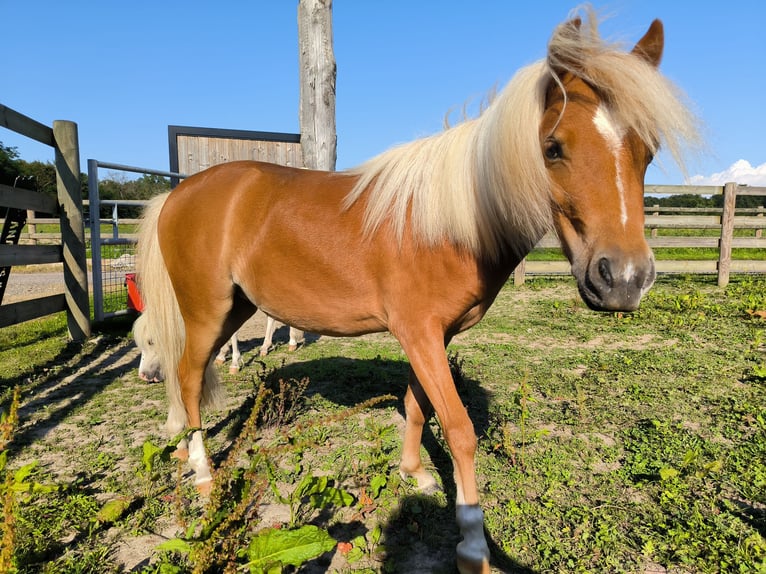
{"points": [[615, 283]]}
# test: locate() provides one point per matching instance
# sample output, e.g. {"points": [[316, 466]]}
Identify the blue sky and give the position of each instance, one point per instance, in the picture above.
{"points": [[124, 71]]}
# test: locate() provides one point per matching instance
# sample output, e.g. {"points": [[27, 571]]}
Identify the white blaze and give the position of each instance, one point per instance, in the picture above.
{"points": [[613, 132]]}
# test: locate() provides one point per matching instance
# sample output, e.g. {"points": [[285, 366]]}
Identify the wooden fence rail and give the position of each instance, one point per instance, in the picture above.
{"points": [[70, 249]]}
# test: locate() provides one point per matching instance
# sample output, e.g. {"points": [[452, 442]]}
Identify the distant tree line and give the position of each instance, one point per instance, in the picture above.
{"points": [[693, 200], [41, 176]]}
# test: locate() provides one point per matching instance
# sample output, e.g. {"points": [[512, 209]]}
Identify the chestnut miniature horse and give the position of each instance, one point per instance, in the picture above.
{"points": [[419, 240]]}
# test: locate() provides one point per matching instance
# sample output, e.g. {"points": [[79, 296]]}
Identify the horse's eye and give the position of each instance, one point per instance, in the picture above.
{"points": [[552, 150]]}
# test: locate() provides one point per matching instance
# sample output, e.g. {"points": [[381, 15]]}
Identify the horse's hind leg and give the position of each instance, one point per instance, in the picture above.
{"points": [[271, 326], [296, 338], [236, 357]]}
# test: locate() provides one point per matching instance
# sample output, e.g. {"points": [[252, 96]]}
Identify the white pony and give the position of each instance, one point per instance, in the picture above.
{"points": [[296, 338]]}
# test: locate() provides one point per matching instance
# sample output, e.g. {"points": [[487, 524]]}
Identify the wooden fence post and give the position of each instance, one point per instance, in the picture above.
{"points": [[72, 228], [31, 226], [519, 272], [727, 233], [317, 84]]}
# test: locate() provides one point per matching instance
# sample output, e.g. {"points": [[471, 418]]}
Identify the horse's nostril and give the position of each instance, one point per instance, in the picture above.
{"points": [[605, 271]]}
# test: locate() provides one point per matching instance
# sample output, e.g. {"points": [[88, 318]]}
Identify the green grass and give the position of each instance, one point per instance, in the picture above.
{"points": [[607, 443], [28, 347]]}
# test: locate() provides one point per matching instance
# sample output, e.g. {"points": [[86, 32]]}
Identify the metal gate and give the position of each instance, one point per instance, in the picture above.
{"points": [[112, 256]]}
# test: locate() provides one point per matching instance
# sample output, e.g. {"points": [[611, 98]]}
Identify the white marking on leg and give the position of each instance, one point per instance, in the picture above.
{"points": [[470, 520], [296, 338], [613, 132], [271, 326], [198, 459], [236, 362]]}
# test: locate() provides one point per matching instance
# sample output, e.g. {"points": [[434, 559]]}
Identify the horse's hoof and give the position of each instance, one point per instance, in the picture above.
{"points": [[263, 353], [181, 454], [292, 348], [426, 484], [430, 489], [205, 488], [470, 567], [233, 370], [219, 361]]}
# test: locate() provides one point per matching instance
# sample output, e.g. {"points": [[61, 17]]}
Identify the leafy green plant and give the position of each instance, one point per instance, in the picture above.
{"points": [[311, 493], [272, 549]]}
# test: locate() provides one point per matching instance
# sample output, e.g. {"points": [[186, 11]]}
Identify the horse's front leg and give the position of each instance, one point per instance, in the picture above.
{"points": [[425, 350], [220, 358], [417, 411]]}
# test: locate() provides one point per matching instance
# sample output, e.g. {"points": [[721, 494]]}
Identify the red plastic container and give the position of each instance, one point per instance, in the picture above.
{"points": [[134, 297]]}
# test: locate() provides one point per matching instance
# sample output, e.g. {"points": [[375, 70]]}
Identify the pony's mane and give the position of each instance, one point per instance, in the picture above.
{"points": [[482, 184]]}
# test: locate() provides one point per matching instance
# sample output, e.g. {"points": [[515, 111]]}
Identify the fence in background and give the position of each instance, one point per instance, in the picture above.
{"points": [[69, 248]]}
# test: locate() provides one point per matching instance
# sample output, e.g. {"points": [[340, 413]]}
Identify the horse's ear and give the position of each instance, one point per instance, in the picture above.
{"points": [[563, 46], [651, 45]]}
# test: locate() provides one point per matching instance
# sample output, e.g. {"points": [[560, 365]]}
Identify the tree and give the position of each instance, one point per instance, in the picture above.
{"points": [[9, 164], [41, 174]]}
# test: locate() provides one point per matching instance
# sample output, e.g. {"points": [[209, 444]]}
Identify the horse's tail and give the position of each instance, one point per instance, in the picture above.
{"points": [[165, 324]]}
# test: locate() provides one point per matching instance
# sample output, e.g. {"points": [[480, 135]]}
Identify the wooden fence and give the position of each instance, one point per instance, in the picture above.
{"points": [[679, 227], [70, 247]]}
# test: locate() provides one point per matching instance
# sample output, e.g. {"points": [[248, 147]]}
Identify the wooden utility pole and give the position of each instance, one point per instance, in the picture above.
{"points": [[318, 71]]}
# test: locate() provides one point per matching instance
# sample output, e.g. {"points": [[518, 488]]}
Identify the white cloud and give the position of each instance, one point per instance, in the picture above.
{"points": [[739, 172]]}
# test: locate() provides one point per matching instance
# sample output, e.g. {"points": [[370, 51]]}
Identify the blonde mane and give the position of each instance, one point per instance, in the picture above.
{"points": [[483, 184]]}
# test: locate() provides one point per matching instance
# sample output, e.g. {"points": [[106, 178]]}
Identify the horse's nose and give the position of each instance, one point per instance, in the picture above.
{"points": [[617, 283]]}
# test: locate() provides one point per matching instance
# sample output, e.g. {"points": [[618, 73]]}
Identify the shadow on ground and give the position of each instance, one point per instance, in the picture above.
{"points": [[421, 534]]}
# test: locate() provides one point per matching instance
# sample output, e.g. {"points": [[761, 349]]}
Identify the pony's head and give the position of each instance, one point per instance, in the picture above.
{"points": [[149, 367], [565, 144], [606, 112]]}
